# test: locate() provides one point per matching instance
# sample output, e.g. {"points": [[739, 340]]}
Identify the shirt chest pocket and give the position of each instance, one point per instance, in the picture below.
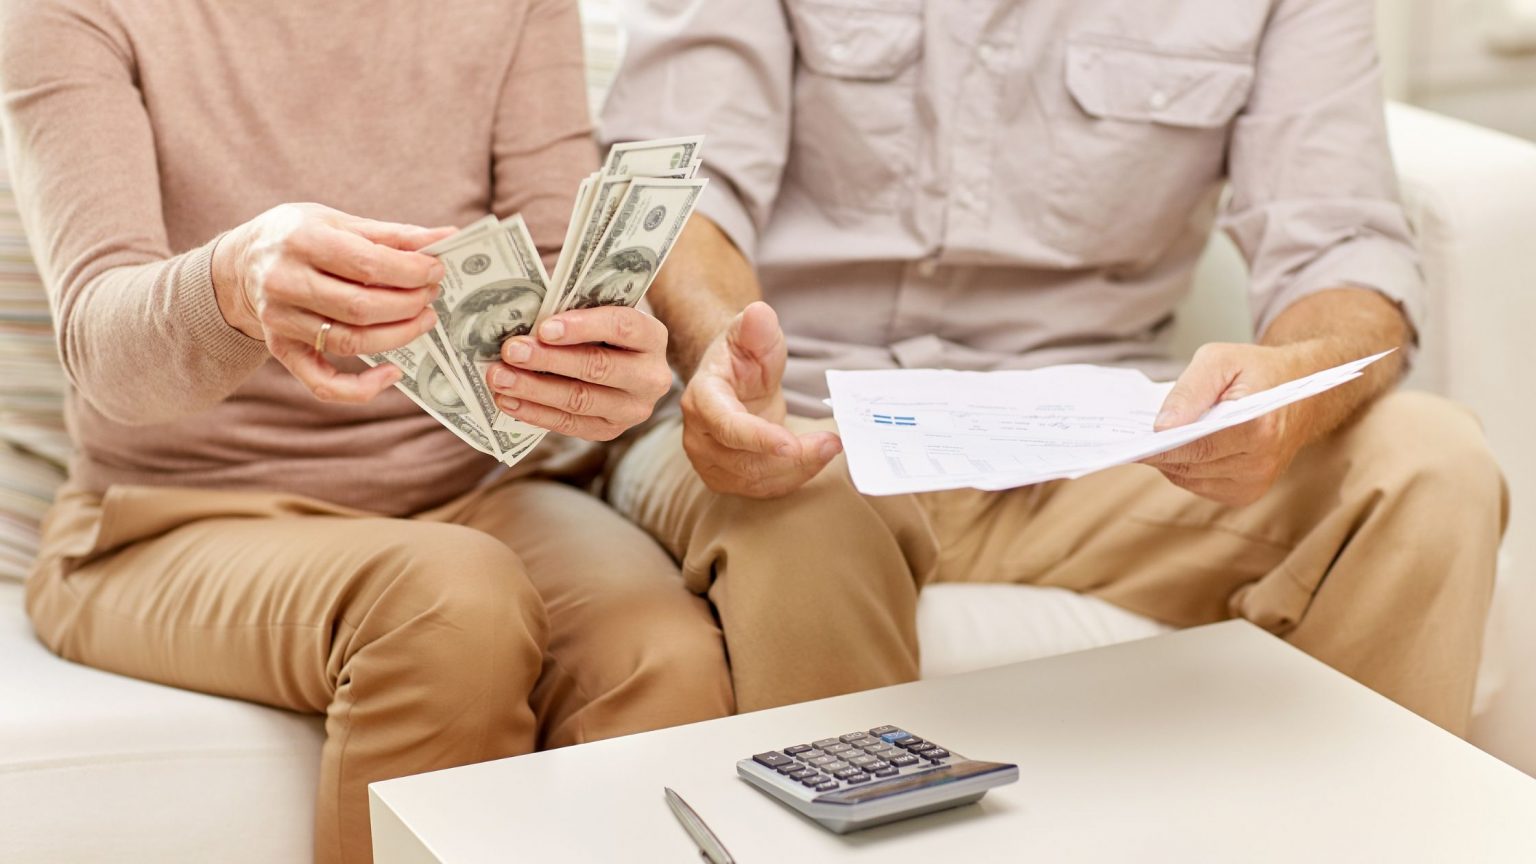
{"points": [[854, 136], [1140, 141]]}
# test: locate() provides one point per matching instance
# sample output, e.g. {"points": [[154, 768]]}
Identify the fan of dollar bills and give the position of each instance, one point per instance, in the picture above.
{"points": [[626, 219]]}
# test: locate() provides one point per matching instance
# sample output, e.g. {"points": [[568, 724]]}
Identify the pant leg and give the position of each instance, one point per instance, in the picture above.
{"points": [[419, 642], [1374, 553], [816, 591], [630, 648]]}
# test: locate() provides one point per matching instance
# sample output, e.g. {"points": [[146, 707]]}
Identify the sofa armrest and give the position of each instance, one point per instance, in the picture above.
{"points": [[1471, 196]]}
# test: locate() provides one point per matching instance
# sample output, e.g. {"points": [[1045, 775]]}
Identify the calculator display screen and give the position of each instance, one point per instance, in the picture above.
{"points": [[923, 780]]}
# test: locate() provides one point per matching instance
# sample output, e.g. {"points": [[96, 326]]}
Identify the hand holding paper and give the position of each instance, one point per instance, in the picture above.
{"points": [[922, 430]]}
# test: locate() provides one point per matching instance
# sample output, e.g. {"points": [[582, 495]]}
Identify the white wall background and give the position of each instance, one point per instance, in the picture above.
{"points": [[1473, 59]]}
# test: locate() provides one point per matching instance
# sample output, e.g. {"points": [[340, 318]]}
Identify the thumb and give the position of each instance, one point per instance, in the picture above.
{"points": [[1200, 387], [756, 345]]}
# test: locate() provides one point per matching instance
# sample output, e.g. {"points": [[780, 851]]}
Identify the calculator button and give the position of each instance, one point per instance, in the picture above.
{"points": [[876, 747], [863, 761], [801, 774], [858, 778], [851, 737], [904, 761], [797, 749], [936, 754], [898, 735], [822, 760], [834, 767], [772, 760], [919, 748], [825, 743], [847, 773], [883, 730], [839, 747], [827, 786], [813, 782], [887, 772], [791, 767]]}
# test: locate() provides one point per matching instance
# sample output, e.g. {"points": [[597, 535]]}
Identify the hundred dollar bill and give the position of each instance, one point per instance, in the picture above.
{"points": [[492, 291], [573, 231], [428, 385], [636, 243], [654, 158]]}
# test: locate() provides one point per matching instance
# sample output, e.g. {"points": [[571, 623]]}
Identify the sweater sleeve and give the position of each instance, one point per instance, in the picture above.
{"points": [[543, 134], [139, 330]]}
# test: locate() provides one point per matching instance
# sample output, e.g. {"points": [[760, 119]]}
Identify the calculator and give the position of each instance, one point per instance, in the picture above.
{"points": [[863, 779]]}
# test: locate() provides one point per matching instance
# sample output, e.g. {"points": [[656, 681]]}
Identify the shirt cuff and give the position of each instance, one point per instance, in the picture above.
{"points": [[1371, 262], [197, 307], [723, 206]]}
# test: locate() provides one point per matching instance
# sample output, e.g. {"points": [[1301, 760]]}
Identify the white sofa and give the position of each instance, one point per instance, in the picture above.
{"points": [[99, 768]]}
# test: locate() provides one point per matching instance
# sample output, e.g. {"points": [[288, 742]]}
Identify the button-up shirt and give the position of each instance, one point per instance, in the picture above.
{"points": [[982, 184]]}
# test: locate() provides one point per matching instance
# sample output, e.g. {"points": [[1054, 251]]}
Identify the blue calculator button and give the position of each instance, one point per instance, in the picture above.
{"points": [[893, 737]]}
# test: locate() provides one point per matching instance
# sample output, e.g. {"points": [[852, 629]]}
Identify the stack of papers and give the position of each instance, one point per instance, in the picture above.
{"points": [[924, 430]]}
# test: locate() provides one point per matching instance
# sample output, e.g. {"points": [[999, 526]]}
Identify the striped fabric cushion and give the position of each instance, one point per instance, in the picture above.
{"points": [[33, 446]]}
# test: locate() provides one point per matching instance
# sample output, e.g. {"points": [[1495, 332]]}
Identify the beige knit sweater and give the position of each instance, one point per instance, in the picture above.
{"points": [[139, 130]]}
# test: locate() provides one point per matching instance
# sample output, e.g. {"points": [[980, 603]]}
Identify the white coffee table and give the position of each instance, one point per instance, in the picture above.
{"points": [[1220, 743]]}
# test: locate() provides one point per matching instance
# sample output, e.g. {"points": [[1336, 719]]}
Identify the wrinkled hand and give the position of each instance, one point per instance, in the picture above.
{"points": [[590, 373], [733, 414], [282, 275], [1235, 466]]}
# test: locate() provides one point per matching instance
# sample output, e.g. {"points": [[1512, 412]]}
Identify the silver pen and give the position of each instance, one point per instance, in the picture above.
{"points": [[709, 845]]}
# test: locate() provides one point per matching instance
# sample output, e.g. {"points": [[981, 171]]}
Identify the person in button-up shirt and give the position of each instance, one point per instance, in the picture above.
{"points": [[999, 184]]}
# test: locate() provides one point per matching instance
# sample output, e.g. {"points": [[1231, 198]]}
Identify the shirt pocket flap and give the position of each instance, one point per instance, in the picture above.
{"points": [[1124, 83], [869, 40]]}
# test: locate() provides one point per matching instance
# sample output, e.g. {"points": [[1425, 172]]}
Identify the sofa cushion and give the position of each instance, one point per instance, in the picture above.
{"points": [[98, 767], [963, 627]]}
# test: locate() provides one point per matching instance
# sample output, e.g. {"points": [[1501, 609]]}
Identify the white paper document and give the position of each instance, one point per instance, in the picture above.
{"points": [[921, 430]]}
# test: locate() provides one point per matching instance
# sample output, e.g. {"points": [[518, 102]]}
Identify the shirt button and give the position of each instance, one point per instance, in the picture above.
{"points": [[838, 50], [1158, 100]]}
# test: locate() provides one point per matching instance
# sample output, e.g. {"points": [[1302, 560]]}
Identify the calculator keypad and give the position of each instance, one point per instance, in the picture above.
{"points": [[853, 758]]}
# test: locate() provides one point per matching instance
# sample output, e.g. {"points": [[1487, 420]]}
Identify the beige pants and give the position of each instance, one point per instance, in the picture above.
{"points": [[1374, 553], [526, 614]]}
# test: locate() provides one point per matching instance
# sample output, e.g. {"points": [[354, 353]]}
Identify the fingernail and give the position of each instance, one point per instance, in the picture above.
{"points": [[829, 449], [551, 330], [502, 379], [786, 450], [437, 273], [516, 351], [1163, 417], [437, 291], [508, 404]]}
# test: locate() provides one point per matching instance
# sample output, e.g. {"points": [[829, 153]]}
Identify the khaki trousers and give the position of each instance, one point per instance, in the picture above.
{"points": [[525, 614], [1375, 553]]}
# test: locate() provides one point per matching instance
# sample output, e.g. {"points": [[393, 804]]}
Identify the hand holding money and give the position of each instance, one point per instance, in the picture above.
{"points": [[605, 372], [590, 373], [297, 268]]}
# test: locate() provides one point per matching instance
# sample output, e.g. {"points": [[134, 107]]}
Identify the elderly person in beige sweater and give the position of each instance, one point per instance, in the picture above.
{"points": [[251, 517]]}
